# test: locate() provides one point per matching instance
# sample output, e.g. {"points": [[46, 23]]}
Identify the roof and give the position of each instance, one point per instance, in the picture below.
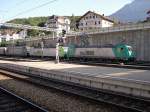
{"points": [[103, 17], [53, 17], [148, 12], [56, 17]]}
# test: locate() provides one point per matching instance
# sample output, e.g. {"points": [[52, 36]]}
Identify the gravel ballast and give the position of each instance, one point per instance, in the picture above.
{"points": [[52, 99]]}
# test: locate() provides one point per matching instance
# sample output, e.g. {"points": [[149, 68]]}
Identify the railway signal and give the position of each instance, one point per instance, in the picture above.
{"points": [[60, 40], [63, 33]]}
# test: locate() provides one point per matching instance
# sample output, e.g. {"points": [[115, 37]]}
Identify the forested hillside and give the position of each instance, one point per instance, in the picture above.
{"points": [[34, 21], [40, 21]]}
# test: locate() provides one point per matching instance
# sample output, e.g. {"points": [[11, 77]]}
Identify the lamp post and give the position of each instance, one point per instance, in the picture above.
{"points": [[57, 52], [42, 47], [42, 43]]}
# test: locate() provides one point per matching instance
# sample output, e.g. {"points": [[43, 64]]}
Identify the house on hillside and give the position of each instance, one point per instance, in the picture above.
{"points": [[59, 23], [92, 20], [9, 35]]}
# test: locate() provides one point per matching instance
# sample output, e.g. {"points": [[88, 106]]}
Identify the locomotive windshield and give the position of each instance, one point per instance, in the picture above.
{"points": [[130, 48]]}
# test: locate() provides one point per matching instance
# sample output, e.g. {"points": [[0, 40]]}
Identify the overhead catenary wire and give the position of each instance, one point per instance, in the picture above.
{"points": [[21, 2], [3, 11], [34, 8]]}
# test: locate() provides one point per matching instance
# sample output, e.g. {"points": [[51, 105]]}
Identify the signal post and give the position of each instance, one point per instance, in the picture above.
{"points": [[60, 40]]}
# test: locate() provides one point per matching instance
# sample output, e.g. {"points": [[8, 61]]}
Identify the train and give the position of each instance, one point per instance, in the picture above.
{"points": [[114, 52]]}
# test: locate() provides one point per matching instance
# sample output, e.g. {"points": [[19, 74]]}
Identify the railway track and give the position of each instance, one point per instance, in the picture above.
{"points": [[119, 65], [9, 102], [125, 103], [135, 65]]}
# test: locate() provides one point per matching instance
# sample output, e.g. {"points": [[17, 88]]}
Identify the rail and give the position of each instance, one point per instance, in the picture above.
{"points": [[133, 87], [12, 102], [120, 101]]}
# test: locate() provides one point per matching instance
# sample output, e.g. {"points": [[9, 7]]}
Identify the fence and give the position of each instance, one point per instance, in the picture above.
{"points": [[117, 28]]}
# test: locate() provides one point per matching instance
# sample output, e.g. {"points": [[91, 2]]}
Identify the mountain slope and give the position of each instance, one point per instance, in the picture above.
{"points": [[133, 12]]}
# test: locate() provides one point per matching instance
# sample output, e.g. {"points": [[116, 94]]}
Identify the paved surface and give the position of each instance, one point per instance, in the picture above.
{"points": [[99, 71]]}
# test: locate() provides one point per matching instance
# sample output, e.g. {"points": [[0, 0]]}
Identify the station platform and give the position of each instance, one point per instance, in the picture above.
{"points": [[130, 81], [94, 71]]}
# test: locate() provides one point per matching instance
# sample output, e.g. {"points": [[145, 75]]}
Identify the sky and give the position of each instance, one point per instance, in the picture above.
{"points": [[11, 9]]}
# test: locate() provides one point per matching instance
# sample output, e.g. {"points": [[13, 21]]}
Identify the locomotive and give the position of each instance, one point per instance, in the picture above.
{"points": [[117, 52]]}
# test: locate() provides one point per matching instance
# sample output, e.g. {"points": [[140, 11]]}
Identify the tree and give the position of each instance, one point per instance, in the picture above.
{"points": [[3, 44], [41, 24], [74, 19], [33, 33]]}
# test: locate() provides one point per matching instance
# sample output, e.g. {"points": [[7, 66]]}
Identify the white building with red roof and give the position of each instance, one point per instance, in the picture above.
{"points": [[92, 20]]}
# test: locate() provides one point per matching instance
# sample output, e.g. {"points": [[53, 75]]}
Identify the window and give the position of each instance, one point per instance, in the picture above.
{"points": [[81, 24], [3, 39], [81, 29], [95, 23], [93, 16], [99, 22], [130, 48], [86, 23], [67, 22], [121, 49]]}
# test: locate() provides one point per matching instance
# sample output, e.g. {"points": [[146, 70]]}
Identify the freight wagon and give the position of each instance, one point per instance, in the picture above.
{"points": [[120, 52], [16, 51]]}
